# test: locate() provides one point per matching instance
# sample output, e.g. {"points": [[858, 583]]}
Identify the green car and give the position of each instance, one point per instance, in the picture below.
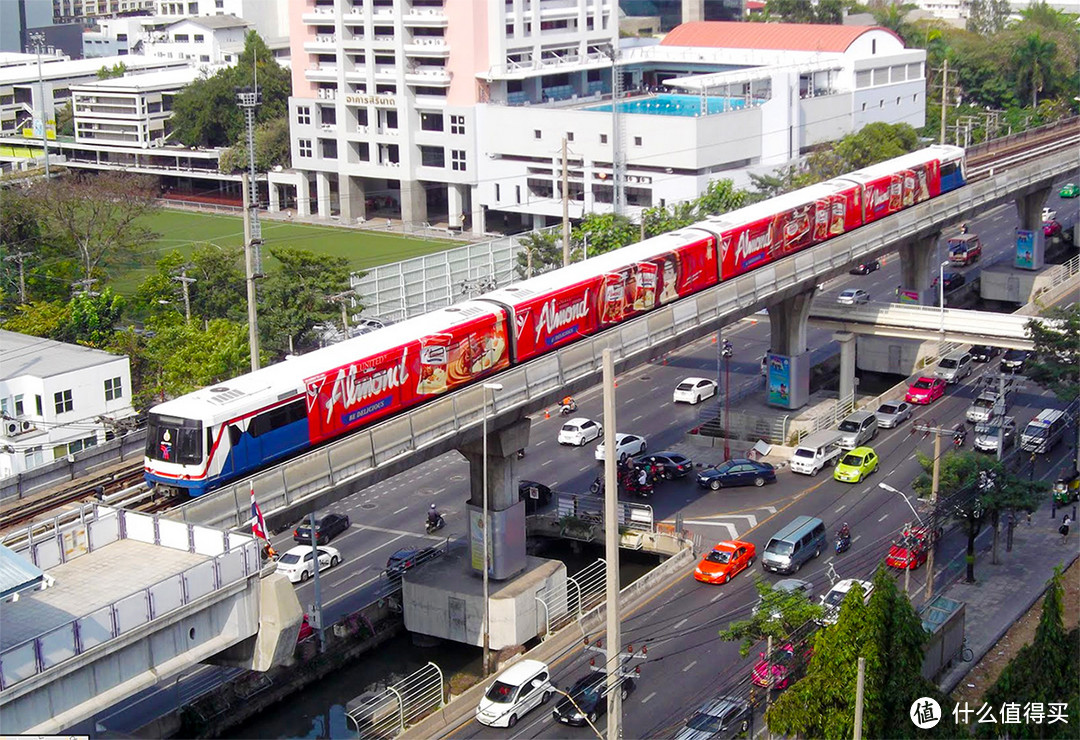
{"points": [[1071, 190], [856, 465]]}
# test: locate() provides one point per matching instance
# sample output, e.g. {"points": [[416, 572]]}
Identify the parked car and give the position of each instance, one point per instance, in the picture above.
{"points": [[787, 665], [909, 549], [954, 280], [672, 464], [590, 694], [953, 366], [852, 296], [326, 529], [832, 600], [1051, 227], [856, 465], [535, 495], [865, 268], [1069, 190], [409, 557], [891, 413], [625, 444], [737, 472], [782, 590], [983, 353], [725, 561], [722, 718], [297, 563], [579, 431], [925, 390], [694, 390], [519, 689], [1013, 361]]}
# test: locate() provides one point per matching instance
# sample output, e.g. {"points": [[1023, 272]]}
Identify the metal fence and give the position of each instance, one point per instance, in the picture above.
{"points": [[570, 600], [414, 287], [385, 714]]}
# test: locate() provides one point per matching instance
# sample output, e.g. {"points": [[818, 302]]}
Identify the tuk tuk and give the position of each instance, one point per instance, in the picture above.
{"points": [[1067, 488], [964, 249]]}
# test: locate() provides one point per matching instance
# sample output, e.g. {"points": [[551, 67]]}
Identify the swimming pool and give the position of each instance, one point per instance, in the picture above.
{"points": [[666, 104]]}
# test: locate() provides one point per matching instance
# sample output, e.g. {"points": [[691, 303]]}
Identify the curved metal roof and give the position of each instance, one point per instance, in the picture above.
{"points": [[786, 36]]}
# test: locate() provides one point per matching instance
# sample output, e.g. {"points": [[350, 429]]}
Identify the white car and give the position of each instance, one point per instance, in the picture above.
{"points": [[296, 563], [628, 444], [694, 390], [853, 296], [579, 431], [520, 688], [832, 600]]}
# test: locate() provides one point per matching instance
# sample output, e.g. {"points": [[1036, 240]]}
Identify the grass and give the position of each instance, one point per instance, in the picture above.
{"points": [[183, 231]]}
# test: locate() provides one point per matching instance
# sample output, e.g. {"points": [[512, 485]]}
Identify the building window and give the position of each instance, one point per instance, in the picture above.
{"points": [[432, 156], [457, 124], [180, 38], [78, 445], [219, 3], [204, 57], [37, 403], [517, 193], [198, 38], [62, 399], [498, 194], [19, 405], [303, 115], [603, 138], [637, 141], [536, 133], [569, 135], [192, 8], [457, 160], [114, 389], [4, 401], [431, 121], [303, 147], [329, 148]]}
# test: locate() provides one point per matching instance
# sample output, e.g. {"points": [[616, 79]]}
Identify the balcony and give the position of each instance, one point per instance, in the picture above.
{"points": [[326, 93], [322, 72], [320, 42], [425, 18], [428, 77], [318, 14], [428, 47]]}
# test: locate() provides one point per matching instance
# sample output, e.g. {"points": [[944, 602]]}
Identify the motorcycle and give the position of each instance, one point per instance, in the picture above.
{"points": [[568, 408], [843, 541], [637, 489], [958, 439], [435, 526], [521, 453]]}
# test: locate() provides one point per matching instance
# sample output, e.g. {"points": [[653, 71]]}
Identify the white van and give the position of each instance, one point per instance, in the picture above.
{"points": [[520, 688], [1043, 432], [815, 452]]}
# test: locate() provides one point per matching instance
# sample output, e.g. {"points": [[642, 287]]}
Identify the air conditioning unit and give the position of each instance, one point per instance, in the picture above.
{"points": [[11, 428], [26, 426]]}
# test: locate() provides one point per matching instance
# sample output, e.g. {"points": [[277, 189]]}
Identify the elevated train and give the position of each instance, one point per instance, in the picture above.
{"points": [[208, 438]]}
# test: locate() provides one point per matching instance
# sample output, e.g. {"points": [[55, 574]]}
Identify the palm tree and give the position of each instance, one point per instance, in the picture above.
{"points": [[892, 14], [1033, 60]]}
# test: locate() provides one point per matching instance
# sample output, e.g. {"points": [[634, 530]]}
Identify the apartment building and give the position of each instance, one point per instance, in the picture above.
{"points": [[269, 17], [214, 39], [133, 110], [56, 399], [87, 12]]}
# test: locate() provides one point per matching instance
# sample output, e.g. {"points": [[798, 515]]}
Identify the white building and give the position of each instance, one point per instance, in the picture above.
{"points": [[133, 110], [215, 39], [85, 11], [53, 397], [269, 17], [455, 110], [100, 44], [21, 92]]}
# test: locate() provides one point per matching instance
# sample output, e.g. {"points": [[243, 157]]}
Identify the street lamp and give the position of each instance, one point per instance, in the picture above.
{"points": [[487, 615], [910, 542], [726, 352], [887, 487], [941, 295]]}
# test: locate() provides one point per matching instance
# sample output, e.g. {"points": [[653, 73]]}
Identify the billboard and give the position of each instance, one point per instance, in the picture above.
{"points": [[1030, 246]]}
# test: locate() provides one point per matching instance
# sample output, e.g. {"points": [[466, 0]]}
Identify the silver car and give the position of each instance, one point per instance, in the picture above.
{"points": [[718, 719], [891, 413], [982, 408], [986, 434]]}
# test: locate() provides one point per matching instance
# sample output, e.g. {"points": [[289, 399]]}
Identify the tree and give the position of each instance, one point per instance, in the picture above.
{"points": [[206, 114], [98, 219], [1033, 61], [38, 319], [892, 14], [295, 297], [91, 319], [65, 120], [117, 70], [1042, 672], [271, 148], [605, 232], [1055, 361], [219, 290], [806, 11], [780, 615], [539, 253], [720, 197], [987, 17]]}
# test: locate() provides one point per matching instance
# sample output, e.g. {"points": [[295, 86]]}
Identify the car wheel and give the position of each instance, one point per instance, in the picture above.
{"points": [[547, 695], [714, 485], [304, 575], [797, 566], [668, 474], [334, 561], [814, 472], [759, 481], [817, 552], [592, 717], [512, 721]]}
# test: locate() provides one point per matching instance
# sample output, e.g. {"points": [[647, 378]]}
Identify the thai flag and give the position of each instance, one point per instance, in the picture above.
{"points": [[258, 524]]}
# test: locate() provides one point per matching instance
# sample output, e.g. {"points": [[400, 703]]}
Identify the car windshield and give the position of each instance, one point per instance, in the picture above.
{"points": [[685, 387], [1014, 354], [705, 723], [853, 460], [835, 598], [500, 693], [1038, 432], [983, 403], [989, 430], [571, 428], [888, 408], [948, 364], [921, 383], [848, 426], [724, 467], [289, 559], [719, 556], [779, 547], [848, 294], [803, 452]]}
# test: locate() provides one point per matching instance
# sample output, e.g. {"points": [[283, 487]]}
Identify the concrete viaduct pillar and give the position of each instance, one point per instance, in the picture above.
{"points": [[1029, 209], [847, 364], [505, 511], [918, 268], [789, 387]]}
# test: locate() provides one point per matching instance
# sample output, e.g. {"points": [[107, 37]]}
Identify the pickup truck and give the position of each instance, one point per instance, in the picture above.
{"points": [[964, 249]]}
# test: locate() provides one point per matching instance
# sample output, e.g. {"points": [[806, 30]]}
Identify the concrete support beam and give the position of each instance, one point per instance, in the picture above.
{"points": [[693, 10], [787, 324], [322, 192], [478, 215], [303, 197], [275, 198], [847, 364], [1029, 209], [455, 205], [918, 269], [413, 203], [503, 445], [352, 196], [538, 221]]}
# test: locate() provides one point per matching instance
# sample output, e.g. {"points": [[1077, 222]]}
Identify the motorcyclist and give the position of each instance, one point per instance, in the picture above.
{"points": [[844, 532], [433, 515], [959, 434], [643, 478], [964, 228], [568, 402]]}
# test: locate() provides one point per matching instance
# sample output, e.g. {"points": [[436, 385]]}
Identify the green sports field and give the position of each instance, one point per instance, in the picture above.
{"points": [[182, 230]]}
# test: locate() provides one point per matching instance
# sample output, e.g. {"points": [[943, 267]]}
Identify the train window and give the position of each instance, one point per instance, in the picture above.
{"points": [[948, 168], [277, 418], [170, 439], [235, 434]]}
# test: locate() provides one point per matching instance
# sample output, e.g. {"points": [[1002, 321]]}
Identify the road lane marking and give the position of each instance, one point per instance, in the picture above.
{"points": [[639, 417], [379, 547], [716, 598], [587, 467], [732, 532], [349, 577], [678, 624], [401, 509], [690, 665], [546, 462], [646, 699], [857, 538], [838, 510], [403, 533], [883, 518]]}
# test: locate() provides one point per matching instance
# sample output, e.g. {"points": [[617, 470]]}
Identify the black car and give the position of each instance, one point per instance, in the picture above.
{"points": [[983, 353], [326, 529], [721, 718], [737, 472], [588, 692], [954, 280], [1013, 361], [672, 464], [865, 268], [408, 557], [535, 495]]}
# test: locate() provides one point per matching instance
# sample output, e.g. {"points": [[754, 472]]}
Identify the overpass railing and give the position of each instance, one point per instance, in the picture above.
{"points": [[349, 464]]}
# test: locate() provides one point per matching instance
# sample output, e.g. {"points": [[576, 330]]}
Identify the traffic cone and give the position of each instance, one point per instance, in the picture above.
{"points": [[547, 414], [714, 339]]}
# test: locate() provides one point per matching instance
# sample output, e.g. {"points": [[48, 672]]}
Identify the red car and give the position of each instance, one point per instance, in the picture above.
{"points": [[925, 390], [1051, 227], [724, 561], [782, 668], [908, 550]]}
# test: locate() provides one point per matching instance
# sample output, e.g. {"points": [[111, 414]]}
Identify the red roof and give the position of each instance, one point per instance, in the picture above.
{"points": [[785, 36]]}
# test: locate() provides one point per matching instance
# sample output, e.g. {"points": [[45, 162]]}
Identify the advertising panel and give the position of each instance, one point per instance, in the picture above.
{"points": [[371, 388], [882, 197], [685, 270], [779, 380], [1030, 250], [557, 318]]}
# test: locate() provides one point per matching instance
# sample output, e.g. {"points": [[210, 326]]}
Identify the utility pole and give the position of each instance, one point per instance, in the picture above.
{"points": [[85, 287], [343, 299], [938, 433], [944, 96], [859, 683], [185, 282], [611, 542], [249, 99], [565, 208], [18, 258], [726, 351], [38, 40], [249, 265]]}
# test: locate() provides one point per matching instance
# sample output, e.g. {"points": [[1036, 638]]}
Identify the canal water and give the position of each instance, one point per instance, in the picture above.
{"points": [[319, 710]]}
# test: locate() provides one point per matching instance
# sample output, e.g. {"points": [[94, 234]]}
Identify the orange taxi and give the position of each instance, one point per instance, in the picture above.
{"points": [[724, 561]]}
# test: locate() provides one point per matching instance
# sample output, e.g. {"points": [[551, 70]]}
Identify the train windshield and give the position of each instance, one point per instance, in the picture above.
{"points": [[175, 440]]}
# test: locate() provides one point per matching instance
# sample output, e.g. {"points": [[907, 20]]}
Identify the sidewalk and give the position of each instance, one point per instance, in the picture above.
{"points": [[1005, 592]]}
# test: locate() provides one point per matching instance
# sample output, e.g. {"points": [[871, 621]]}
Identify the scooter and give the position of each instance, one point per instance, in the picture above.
{"points": [[568, 408], [521, 453], [958, 439], [644, 491], [843, 541], [435, 526]]}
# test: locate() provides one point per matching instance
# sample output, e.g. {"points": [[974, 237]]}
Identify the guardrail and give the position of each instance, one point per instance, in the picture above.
{"points": [[232, 557], [388, 713], [571, 600]]}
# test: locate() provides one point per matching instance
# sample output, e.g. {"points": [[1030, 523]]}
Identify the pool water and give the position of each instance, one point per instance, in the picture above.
{"points": [[666, 104]]}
